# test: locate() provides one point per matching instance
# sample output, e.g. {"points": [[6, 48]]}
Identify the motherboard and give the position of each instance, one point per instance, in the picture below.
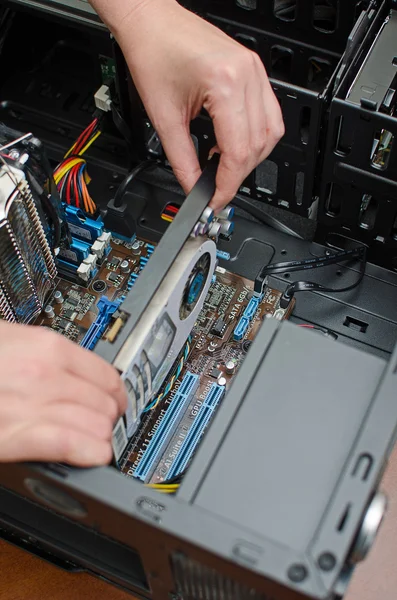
{"points": [[75, 308], [213, 358], [173, 424]]}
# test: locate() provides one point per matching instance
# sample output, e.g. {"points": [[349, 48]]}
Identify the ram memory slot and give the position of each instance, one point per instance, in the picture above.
{"points": [[165, 430], [192, 439]]}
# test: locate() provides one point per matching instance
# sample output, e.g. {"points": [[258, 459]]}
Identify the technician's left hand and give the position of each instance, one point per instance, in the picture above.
{"points": [[180, 63]]}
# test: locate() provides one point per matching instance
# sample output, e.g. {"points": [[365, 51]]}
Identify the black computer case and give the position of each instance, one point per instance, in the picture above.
{"points": [[275, 504]]}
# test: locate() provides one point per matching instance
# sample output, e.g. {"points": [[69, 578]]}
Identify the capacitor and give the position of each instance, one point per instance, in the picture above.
{"points": [[215, 230], [58, 297], [136, 248], [125, 266], [226, 213], [230, 367], [49, 312], [227, 227], [222, 381], [203, 228], [196, 230], [207, 216]]}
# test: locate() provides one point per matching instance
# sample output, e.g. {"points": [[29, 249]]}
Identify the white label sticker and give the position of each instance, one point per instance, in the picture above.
{"points": [[119, 439]]}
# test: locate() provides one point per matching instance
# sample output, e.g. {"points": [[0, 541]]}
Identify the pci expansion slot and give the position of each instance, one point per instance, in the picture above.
{"points": [[167, 426], [197, 430]]}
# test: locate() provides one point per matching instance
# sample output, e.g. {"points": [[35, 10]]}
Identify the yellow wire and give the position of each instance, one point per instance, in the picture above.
{"points": [[168, 219], [96, 136], [63, 170], [163, 485], [70, 151]]}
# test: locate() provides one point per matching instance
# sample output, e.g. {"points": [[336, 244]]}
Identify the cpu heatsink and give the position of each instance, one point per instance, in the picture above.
{"points": [[27, 267]]}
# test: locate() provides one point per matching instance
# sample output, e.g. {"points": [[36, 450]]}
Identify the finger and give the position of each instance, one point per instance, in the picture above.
{"points": [[59, 386], [233, 139], [274, 117], [76, 417], [257, 119], [56, 443], [71, 389], [85, 365], [181, 153]]}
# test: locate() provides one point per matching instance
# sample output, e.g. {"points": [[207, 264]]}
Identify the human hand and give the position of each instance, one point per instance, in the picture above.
{"points": [[180, 63], [58, 402]]}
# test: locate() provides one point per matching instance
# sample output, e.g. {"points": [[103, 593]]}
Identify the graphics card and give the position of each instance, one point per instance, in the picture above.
{"points": [[155, 343]]}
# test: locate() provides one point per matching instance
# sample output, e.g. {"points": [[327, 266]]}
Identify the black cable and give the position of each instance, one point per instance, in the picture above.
{"points": [[263, 217], [303, 265], [47, 206], [122, 126], [305, 286], [146, 164]]}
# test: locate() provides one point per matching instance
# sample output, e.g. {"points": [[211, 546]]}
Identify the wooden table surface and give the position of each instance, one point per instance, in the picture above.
{"points": [[24, 577]]}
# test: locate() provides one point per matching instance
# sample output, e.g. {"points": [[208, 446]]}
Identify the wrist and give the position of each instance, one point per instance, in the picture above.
{"points": [[125, 17]]}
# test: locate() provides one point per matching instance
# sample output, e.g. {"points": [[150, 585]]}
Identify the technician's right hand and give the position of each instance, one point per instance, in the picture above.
{"points": [[58, 402]]}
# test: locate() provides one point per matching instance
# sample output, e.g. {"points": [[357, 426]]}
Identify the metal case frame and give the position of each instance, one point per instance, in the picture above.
{"points": [[288, 178], [301, 26], [100, 521], [155, 546], [347, 172]]}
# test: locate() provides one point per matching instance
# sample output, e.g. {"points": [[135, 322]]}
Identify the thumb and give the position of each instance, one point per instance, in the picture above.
{"points": [[181, 154]]}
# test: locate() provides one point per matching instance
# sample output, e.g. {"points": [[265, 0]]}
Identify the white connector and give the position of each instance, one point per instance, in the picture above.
{"points": [[102, 99], [87, 267]]}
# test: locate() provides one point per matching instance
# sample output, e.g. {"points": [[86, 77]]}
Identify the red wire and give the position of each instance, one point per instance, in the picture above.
{"points": [[76, 187], [68, 186], [171, 209], [307, 326], [82, 140]]}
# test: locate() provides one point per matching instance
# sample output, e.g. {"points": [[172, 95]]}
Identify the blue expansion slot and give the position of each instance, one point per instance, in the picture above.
{"points": [[76, 253], [123, 238], [82, 227], [167, 426], [67, 266], [223, 255], [201, 421], [241, 328], [106, 310]]}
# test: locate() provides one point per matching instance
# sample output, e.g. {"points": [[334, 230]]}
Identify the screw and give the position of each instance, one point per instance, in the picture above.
{"points": [[326, 561], [297, 573]]}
